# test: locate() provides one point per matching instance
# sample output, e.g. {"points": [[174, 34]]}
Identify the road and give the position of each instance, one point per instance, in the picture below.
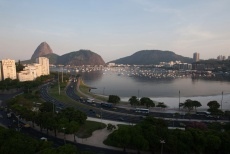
{"points": [[13, 122], [95, 110]]}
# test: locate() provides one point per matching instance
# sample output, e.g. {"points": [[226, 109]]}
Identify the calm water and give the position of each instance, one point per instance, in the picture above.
{"points": [[162, 90]]}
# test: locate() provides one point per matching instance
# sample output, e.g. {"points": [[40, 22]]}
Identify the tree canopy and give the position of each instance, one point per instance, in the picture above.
{"points": [[114, 99]]}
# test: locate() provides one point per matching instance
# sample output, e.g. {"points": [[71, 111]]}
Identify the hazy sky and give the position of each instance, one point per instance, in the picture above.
{"points": [[115, 28]]}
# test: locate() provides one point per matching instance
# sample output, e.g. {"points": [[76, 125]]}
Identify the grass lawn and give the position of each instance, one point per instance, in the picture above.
{"points": [[88, 128], [85, 89], [54, 92]]}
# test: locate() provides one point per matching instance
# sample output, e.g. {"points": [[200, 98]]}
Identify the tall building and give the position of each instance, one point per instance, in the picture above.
{"points": [[32, 71], [196, 57], [221, 57], [0, 71], [8, 69], [44, 62]]}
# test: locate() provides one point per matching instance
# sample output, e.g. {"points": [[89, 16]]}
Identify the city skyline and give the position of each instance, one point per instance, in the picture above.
{"points": [[115, 29]]}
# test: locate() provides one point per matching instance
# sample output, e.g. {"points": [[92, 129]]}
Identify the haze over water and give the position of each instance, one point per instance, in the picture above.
{"points": [[162, 90]]}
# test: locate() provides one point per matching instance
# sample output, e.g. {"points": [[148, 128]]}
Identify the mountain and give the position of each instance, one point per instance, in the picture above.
{"points": [[52, 58], [42, 50], [81, 57], [148, 57], [76, 58]]}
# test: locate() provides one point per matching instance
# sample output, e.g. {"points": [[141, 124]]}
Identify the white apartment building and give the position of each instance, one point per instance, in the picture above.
{"points": [[0, 71], [29, 73], [8, 69], [32, 71], [44, 62]]}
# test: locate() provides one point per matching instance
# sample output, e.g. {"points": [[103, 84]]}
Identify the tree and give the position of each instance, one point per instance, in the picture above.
{"points": [[161, 104], [214, 108], [67, 149], [213, 105], [134, 101], [213, 143], [72, 128], [114, 99], [196, 104], [147, 102], [188, 104], [73, 115], [46, 107], [19, 66]]}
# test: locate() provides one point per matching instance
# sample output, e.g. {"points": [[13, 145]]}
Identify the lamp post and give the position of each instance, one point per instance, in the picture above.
{"points": [[221, 100], [162, 142], [62, 74], [64, 134], [138, 92], [179, 99], [58, 84]]}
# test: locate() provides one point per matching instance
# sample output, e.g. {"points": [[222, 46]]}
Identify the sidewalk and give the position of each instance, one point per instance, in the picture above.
{"points": [[95, 140]]}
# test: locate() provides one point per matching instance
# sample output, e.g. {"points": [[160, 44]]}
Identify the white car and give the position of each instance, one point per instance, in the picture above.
{"points": [[43, 138]]}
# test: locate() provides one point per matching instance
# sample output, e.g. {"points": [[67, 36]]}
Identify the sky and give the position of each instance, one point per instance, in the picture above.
{"points": [[115, 28]]}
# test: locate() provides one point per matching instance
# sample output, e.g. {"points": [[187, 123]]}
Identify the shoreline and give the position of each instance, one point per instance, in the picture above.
{"points": [[173, 102]]}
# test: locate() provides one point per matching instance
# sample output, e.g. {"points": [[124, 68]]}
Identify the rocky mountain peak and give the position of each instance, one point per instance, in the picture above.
{"points": [[42, 50]]}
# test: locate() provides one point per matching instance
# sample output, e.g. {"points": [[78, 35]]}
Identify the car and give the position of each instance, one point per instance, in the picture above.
{"points": [[26, 125], [91, 111], [43, 138], [121, 119]]}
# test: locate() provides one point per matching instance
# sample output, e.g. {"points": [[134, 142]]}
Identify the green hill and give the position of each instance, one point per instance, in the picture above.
{"points": [[148, 57]]}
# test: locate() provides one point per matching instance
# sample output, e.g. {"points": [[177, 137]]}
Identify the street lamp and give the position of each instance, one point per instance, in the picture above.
{"points": [[59, 91], [62, 74], [64, 134], [221, 101], [138, 92], [162, 142], [179, 99]]}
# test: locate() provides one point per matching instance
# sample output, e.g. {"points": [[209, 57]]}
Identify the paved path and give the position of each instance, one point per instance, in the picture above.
{"points": [[97, 137]]}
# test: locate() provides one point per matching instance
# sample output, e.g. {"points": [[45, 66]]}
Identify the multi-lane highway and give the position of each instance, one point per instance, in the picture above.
{"points": [[91, 109]]}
